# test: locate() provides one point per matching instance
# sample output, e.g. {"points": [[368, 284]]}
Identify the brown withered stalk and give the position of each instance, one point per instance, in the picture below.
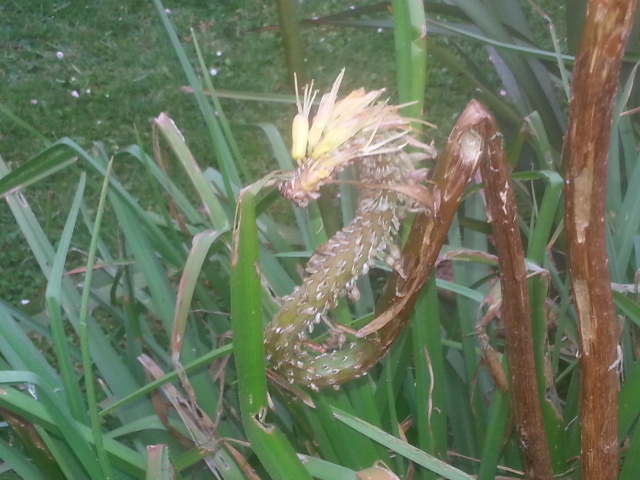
{"points": [[478, 127], [516, 311], [455, 170], [586, 147]]}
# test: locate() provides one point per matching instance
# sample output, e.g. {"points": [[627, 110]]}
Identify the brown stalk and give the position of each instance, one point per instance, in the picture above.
{"points": [[455, 170], [516, 311], [595, 81]]}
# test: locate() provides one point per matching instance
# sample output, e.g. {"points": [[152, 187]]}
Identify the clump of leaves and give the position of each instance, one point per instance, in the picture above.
{"points": [[432, 400]]}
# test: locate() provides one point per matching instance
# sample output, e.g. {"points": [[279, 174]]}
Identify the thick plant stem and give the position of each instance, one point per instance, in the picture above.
{"points": [[457, 165], [516, 311], [400, 295], [595, 80]]}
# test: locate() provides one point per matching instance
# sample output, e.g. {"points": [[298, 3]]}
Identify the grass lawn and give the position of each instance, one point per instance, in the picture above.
{"points": [[101, 71]]}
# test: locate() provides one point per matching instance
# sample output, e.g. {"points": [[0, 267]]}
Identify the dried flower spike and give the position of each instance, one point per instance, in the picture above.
{"points": [[358, 129]]}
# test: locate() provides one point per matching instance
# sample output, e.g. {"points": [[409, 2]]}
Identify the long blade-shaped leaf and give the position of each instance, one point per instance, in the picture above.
{"points": [[246, 311]]}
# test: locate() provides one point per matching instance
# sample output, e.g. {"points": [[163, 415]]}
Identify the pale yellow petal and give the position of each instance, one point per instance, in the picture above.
{"points": [[324, 112], [353, 104]]}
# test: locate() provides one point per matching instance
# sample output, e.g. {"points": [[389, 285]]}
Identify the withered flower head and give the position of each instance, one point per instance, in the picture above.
{"points": [[341, 131]]}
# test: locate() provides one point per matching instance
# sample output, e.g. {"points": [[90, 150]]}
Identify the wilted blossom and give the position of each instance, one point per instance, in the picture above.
{"points": [[355, 126]]}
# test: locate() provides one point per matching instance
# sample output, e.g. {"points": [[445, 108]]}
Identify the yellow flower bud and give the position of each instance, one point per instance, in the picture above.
{"points": [[299, 136]]}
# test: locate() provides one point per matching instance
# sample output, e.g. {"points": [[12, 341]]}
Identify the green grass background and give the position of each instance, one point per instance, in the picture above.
{"points": [[118, 59]]}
